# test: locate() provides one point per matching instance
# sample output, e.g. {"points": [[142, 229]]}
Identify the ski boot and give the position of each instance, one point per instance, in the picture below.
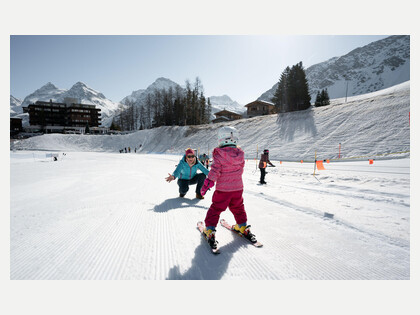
{"points": [[211, 237], [246, 232]]}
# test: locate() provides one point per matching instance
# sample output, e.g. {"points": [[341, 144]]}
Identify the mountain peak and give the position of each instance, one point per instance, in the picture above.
{"points": [[162, 83], [80, 84], [48, 86], [162, 79]]}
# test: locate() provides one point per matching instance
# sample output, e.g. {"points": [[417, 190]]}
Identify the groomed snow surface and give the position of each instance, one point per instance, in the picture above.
{"points": [[99, 215]]}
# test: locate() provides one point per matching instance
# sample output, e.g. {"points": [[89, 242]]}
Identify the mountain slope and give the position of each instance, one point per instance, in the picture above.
{"points": [[370, 68], [367, 125]]}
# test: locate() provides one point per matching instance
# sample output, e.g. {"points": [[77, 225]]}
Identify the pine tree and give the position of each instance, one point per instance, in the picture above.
{"points": [[322, 98], [208, 111], [292, 92], [280, 98], [87, 130], [325, 98], [114, 126], [318, 100]]}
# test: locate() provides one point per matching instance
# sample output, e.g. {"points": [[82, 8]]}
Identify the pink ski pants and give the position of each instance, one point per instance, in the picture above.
{"points": [[220, 201]]}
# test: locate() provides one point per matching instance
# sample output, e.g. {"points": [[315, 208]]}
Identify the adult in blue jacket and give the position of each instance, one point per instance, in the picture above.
{"points": [[187, 175]]}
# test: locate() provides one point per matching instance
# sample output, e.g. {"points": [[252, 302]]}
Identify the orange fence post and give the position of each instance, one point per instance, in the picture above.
{"points": [[328, 161], [371, 161]]}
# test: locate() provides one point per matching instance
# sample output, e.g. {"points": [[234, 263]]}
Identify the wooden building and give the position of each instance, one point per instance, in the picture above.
{"points": [[225, 115], [57, 117], [259, 108]]}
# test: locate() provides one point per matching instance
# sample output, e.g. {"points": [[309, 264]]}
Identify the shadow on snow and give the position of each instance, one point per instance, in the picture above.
{"points": [[177, 203], [207, 266]]}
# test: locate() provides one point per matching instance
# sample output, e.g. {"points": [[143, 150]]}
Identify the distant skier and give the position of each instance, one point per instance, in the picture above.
{"points": [[204, 159], [186, 172], [226, 170], [263, 164]]}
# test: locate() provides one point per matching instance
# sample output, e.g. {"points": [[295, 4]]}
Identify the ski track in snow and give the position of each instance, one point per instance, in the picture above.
{"points": [[63, 230]]}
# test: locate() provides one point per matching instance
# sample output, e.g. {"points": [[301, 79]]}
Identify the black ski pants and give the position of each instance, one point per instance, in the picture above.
{"points": [[185, 183], [262, 175]]}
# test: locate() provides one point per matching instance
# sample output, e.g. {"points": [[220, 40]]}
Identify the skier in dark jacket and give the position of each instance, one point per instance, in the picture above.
{"points": [[186, 172], [263, 164]]}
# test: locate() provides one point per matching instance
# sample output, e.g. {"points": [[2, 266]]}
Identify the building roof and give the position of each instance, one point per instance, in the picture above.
{"points": [[223, 112], [261, 102]]}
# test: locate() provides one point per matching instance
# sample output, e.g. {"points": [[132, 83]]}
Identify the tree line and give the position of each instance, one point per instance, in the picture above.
{"points": [[166, 107], [189, 106]]}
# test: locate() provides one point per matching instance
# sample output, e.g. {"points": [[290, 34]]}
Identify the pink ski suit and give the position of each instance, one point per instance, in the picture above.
{"points": [[226, 171]]}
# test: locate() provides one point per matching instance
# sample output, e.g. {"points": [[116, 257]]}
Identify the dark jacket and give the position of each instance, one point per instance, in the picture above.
{"points": [[264, 161]]}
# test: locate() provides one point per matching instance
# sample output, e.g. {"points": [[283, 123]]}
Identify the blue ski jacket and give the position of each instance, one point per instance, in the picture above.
{"points": [[184, 171]]}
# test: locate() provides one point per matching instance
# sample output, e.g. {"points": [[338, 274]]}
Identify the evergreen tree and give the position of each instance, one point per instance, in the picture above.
{"points": [[318, 99], [280, 98], [325, 97], [208, 112], [322, 98], [292, 92], [114, 126]]}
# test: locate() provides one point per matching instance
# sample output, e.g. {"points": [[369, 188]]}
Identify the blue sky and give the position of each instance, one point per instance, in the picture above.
{"points": [[241, 66]]}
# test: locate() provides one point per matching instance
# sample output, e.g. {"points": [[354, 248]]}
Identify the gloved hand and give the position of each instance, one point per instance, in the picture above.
{"points": [[206, 186]]}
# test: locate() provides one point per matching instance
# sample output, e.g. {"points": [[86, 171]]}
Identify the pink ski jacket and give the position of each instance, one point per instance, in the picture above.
{"points": [[227, 168]]}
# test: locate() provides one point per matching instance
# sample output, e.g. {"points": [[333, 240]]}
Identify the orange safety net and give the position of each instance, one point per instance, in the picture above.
{"points": [[320, 165]]}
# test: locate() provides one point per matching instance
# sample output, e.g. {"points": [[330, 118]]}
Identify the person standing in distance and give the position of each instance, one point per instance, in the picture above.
{"points": [[263, 165]]}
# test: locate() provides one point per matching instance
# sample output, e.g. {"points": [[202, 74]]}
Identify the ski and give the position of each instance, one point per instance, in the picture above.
{"points": [[200, 227], [225, 224]]}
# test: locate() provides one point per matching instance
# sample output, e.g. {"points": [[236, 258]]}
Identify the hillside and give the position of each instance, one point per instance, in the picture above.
{"points": [[367, 125], [366, 69]]}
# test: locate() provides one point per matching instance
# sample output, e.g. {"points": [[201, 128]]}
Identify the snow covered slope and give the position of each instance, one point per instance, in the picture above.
{"points": [[367, 125], [112, 216]]}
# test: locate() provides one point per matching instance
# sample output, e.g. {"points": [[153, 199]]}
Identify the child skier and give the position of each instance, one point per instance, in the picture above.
{"points": [[263, 164], [226, 171]]}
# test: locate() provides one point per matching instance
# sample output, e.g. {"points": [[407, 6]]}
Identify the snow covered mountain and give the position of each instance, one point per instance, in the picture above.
{"points": [[15, 106], [80, 91], [138, 98], [370, 68], [87, 95], [219, 103], [44, 93]]}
